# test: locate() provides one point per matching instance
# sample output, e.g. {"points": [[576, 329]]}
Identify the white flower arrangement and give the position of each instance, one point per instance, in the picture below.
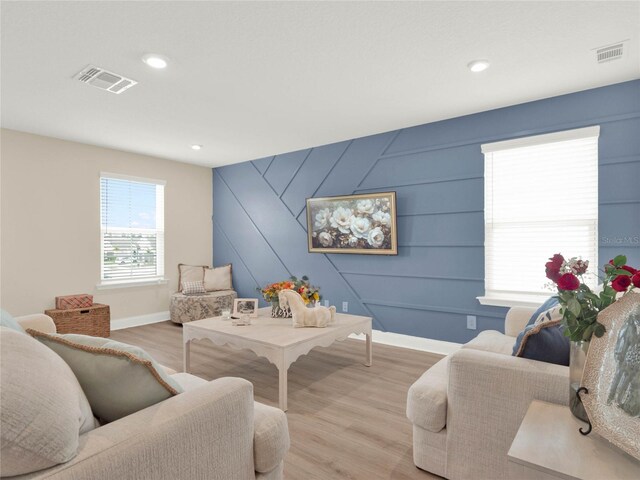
{"points": [[364, 223]]}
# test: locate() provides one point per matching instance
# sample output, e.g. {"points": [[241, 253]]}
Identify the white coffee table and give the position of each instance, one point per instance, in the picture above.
{"points": [[275, 339]]}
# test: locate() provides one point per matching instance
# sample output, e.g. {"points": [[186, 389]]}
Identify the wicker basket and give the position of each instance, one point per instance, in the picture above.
{"points": [[94, 320]]}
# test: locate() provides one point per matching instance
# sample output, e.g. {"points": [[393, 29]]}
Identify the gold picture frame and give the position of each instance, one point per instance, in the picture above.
{"points": [[362, 224]]}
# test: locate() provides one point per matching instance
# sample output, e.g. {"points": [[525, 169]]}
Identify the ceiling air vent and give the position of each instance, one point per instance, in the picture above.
{"points": [[609, 53], [105, 80]]}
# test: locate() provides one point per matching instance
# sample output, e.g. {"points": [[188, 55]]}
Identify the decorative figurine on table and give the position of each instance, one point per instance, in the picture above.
{"points": [[317, 316]]}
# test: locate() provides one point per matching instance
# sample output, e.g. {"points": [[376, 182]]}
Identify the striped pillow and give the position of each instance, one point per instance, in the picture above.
{"points": [[193, 288]]}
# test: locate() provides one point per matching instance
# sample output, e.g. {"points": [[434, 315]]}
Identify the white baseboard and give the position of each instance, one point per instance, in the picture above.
{"points": [[430, 345], [139, 320]]}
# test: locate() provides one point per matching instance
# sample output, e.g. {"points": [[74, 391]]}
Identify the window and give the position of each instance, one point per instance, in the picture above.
{"points": [[131, 229], [541, 198]]}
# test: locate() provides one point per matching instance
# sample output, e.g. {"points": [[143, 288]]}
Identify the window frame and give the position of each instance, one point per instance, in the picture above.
{"points": [[159, 278], [523, 299]]}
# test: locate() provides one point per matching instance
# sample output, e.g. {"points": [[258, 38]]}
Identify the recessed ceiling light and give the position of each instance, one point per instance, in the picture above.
{"points": [[478, 65], [155, 61], [196, 147]]}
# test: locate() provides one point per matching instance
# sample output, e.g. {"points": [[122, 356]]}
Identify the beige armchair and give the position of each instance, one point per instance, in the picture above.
{"points": [[213, 430], [467, 408]]}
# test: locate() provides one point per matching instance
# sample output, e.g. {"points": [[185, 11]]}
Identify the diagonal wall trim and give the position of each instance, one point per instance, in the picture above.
{"points": [[382, 152], [386, 149], [376, 321], [265, 180], [268, 166], [312, 173], [251, 220], [261, 201], [328, 175], [226, 237], [303, 221], [294, 176], [259, 163]]}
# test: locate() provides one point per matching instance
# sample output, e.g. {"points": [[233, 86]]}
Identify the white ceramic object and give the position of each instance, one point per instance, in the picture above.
{"points": [[302, 316]]}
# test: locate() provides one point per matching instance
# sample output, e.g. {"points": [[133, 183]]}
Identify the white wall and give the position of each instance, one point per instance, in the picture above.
{"points": [[50, 223]]}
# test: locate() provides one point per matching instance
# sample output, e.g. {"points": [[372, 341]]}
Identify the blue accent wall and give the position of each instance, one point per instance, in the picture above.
{"points": [[437, 171]]}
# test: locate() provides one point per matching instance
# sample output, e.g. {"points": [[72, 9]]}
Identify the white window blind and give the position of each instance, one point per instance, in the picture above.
{"points": [[131, 228], [541, 198]]}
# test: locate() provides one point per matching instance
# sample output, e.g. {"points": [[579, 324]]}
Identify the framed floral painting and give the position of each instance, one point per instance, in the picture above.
{"points": [[363, 223]]}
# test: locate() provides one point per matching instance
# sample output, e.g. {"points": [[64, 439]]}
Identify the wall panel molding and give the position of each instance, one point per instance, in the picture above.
{"points": [[516, 134], [619, 160], [433, 308], [439, 213], [411, 184], [398, 275], [429, 288]]}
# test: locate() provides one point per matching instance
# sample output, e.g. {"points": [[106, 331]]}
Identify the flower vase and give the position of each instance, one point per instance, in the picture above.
{"points": [[279, 312], [577, 359]]}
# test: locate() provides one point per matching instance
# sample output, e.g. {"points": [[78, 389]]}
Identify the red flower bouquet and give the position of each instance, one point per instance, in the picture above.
{"points": [[579, 304]]}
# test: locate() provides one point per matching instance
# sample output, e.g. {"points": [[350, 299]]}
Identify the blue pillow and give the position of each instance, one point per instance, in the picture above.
{"points": [[543, 338], [548, 304], [6, 320]]}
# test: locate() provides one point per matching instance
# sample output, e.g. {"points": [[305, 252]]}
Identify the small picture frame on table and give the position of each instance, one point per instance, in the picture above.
{"points": [[245, 306]]}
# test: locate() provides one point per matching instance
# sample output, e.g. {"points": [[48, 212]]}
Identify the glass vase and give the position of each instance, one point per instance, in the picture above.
{"points": [[577, 359]]}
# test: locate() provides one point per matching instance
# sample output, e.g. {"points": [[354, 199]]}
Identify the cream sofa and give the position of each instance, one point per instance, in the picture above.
{"points": [[213, 430], [467, 408]]}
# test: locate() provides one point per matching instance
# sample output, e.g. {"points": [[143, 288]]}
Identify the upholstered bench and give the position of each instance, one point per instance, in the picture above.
{"points": [[187, 308]]}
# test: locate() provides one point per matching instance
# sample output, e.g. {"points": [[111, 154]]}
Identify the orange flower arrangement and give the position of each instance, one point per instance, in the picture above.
{"points": [[307, 292]]}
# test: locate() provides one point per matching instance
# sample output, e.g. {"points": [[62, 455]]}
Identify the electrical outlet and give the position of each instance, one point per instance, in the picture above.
{"points": [[471, 322], [326, 303], [345, 307]]}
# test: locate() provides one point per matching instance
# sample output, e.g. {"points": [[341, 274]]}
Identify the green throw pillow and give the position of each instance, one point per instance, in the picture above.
{"points": [[118, 379]]}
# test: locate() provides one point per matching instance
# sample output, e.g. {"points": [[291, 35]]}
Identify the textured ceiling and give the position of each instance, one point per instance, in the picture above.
{"points": [[248, 79]]}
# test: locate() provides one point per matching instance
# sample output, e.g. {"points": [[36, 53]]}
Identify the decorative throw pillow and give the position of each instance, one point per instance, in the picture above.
{"points": [[549, 303], [193, 288], [190, 273], [217, 278], [543, 338], [44, 410], [6, 320], [118, 379]]}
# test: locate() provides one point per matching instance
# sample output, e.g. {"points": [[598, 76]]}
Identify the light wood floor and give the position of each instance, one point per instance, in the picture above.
{"points": [[346, 421]]}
